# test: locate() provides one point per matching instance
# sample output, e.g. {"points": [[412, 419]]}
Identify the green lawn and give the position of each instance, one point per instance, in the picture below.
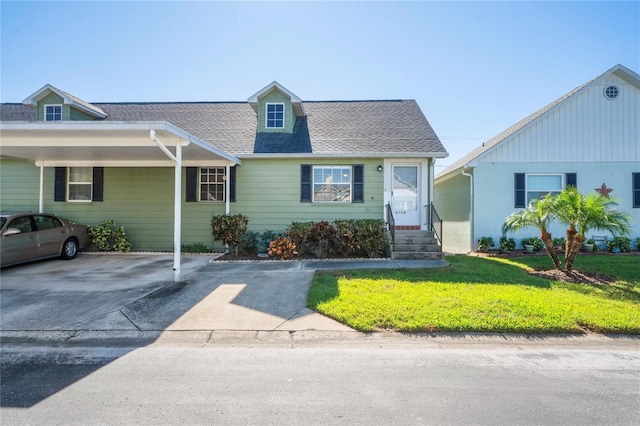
{"points": [[476, 294]]}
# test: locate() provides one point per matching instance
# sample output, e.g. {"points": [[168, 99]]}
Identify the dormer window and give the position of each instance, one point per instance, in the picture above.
{"points": [[53, 113], [275, 116]]}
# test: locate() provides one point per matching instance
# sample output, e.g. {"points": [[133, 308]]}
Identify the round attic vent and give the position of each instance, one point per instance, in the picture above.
{"points": [[611, 92]]}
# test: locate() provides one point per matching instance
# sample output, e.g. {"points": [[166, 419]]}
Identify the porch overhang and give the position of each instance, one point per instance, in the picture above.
{"points": [[106, 144]]}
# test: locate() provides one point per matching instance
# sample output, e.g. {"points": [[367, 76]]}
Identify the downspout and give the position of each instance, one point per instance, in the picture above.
{"points": [[472, 239], [432, 164], [177, 210]]}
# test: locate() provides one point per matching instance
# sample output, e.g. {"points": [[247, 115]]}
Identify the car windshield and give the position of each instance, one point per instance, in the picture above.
{"points": [[3, 220]]}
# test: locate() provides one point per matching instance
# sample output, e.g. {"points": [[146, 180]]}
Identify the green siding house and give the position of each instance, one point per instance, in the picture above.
{"points": [[163, 169]]}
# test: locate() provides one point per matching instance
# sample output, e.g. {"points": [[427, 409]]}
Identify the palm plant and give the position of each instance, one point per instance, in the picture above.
{"points": [[539, 214], [583, 214]]}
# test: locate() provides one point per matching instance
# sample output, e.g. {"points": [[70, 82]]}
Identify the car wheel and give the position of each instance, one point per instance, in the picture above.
{"points": [[69, 249]]}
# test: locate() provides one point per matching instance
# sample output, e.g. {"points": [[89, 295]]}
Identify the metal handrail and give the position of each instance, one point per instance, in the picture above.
{"points": [[434, 221], [391, 222]]}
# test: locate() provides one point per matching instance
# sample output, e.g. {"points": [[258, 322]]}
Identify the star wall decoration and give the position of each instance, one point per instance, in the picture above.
{"points": [[603, 190]]}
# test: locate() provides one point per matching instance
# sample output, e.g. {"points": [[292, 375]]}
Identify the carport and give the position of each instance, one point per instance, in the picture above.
{"points": [[114, 144]]}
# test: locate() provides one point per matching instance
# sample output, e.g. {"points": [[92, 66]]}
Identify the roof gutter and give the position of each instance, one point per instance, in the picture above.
{"points": [[471, 215], [345, 155]]}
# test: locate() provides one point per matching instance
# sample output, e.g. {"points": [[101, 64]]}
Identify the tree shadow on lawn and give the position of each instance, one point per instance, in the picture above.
{"points": [[461, 269]]}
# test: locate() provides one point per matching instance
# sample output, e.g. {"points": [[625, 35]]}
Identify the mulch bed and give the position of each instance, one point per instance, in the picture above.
{"points": [[573, 276], [576, 277], [252, 257]]}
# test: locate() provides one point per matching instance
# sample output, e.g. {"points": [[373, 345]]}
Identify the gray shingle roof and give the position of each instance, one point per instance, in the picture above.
{"points": [[390, 127]]}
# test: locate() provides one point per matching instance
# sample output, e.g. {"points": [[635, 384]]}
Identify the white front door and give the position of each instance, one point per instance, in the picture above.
{"points": [[405, 194]]}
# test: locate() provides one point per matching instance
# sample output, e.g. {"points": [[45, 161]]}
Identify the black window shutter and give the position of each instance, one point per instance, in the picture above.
{"points": [[636, 190], [98, 184], [60, 184], [191, 185], [358, 183], [571, 179], [232, 184], [305, 183], [520, 194]]}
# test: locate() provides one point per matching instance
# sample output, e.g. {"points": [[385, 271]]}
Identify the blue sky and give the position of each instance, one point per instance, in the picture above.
{"points": [[475, 68]]}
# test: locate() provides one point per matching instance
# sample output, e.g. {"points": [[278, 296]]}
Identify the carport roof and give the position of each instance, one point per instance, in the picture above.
{"points": [[106, 143]]}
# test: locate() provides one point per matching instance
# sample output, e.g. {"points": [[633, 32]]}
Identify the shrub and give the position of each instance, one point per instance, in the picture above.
{"points": [[249, 242], [507, 245], [593, 242], [229, 229], [371, 236], [638, 243], [107, 237], [560, 242], [485, 243], [282, 248], [265, 239], [533, 241], [322, 236], [348, 238], [195, 248], [619, 244], [298, 233]]}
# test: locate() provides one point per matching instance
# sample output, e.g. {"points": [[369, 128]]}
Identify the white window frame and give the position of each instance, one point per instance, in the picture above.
{"points": [[46, 106], [83, 183], [220, 171], [314, 183], [546, 191], [266, 115]]}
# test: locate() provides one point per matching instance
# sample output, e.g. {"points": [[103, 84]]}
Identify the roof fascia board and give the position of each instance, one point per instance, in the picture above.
{"points": [[134, 164], [253, 99], [449, 175], [345, 155], [121, 125], [32, 100], [266, 89], [627, 74]]}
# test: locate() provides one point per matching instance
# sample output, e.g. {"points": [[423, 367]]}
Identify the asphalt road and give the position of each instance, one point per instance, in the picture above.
{"points": [[386, 382]]}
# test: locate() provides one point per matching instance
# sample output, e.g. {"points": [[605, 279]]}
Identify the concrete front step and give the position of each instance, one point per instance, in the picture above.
{"points": [[413, 255], [416, 245], [414, 234]]}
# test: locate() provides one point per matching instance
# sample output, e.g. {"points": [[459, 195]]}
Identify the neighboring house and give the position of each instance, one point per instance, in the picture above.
{"points": [[275, 159], [589, 137]]}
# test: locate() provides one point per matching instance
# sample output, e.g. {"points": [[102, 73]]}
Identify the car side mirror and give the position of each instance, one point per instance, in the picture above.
{"points": [[11, 231]]}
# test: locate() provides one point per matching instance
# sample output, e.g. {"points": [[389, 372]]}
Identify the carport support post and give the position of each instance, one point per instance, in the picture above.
{"points": [[41, 194], [177, 214], [177, 202]]}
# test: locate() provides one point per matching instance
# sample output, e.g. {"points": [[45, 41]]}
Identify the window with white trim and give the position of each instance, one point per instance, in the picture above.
{"points": [[275, 116], [540, 185], [212, 184], [80, 183], [332, 184], [53, 113]]}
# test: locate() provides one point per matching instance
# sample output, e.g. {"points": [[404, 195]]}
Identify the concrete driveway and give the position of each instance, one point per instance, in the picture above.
{"points": [[136, 293], [67, 295]]}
